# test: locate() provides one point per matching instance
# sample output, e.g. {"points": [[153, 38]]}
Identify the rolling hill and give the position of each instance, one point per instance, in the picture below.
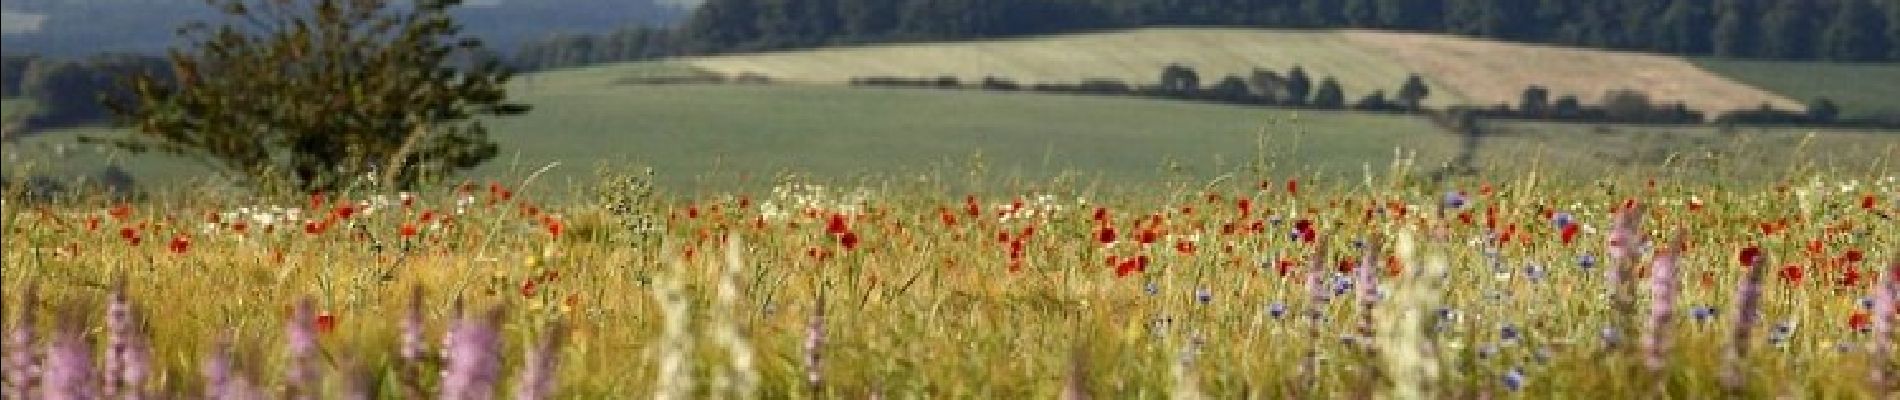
{"points": [[1461, 70]]}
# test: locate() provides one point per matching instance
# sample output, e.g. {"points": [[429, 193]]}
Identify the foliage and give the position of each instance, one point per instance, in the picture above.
{"points": [[314, 94]]}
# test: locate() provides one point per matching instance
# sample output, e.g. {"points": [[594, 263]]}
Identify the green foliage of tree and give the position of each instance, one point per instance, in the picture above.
{"points": [[1535, 102], [312, 95], [1788, 30], [1329, 96], [1856, 33], [1179, 79], [1413, 92], [1735, 29], [1299, 86], [1823, 110], [1685, 27]]}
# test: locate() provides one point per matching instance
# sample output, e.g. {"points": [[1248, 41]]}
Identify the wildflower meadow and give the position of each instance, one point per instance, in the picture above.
{"points": [[1386, 285]]}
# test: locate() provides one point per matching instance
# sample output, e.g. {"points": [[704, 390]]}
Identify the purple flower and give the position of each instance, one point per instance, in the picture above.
{"points": [[22, 369], [1455, 200], [301, 374], [1587, 260], [1514, 379], [1508, 332], [1562, 219], [1276, 310], [475, 360], [1702, 314], [1203, 295], [69, 374], [537, 379]]}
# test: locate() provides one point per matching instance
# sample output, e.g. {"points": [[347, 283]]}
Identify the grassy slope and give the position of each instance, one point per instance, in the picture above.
{"points": [[733, 132], [689, 130], [1461, 70], [1860, 89]]}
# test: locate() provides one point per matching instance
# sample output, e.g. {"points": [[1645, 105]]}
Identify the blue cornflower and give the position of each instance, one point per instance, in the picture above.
{"points": [[1508, 332], [1587, 261], [1562, 219], [1455, 200], [1203, 295], [1514, 379], [1276, 310], [1534, 272], [1702, 314], [1867, 302], [1151, 288]]}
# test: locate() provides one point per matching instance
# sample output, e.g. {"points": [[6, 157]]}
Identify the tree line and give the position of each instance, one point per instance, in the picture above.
{"points": [[1836, 30]]}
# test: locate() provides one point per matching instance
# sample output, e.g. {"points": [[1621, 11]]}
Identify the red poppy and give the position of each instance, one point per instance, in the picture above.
{"points": [[1184, 247], [121, 212], [92, 223], [1569, 233], [407, 230], [948, 219], [315, 227], [835, 225], [1792, 274], [326, 323], [1304, 228], [1850, 278], [1105, 235], [1860, 321], [344, 211], [1867, 202], [1246, 207], [527, 288], [554, 226], [849, 240], [1293, 186], [970, 207], [1284, 266], [1125, 268], [180, 244], [1147, 236], [1853, 256], [1750, 256], [317, 200]]}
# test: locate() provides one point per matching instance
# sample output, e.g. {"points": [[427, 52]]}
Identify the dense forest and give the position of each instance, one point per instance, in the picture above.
{"points": [[1835, 30]]}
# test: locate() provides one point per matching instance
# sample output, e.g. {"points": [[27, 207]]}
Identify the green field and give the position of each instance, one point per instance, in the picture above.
{"points": [[714, 136], [1860, 89]]}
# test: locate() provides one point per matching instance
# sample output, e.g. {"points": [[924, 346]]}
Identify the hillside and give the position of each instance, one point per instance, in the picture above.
{"points": [[725, 135], [1862, 90], [1460, 70]]}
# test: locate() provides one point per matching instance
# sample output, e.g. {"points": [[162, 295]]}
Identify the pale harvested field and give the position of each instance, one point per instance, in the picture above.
{"points": [[1462, 71]]}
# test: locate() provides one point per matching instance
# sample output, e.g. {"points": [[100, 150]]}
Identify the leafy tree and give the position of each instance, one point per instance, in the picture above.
{"points": [[1414, 92], [1231, 88], [314, 94], [64, 91], [1373, 102], [1181, 80], [1856, 34], [1329, 96], [1410, 14], [1823, 110], [1893, 30], [722, 25], [1788, 30], [1535, 102], [1627, 105], [1360, 13], [1685, 27], [1735, 29], [1567, 107], [1298, 86]]}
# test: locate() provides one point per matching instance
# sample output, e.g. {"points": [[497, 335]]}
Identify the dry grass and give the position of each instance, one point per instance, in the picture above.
{"points": [[1464, 71]]}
